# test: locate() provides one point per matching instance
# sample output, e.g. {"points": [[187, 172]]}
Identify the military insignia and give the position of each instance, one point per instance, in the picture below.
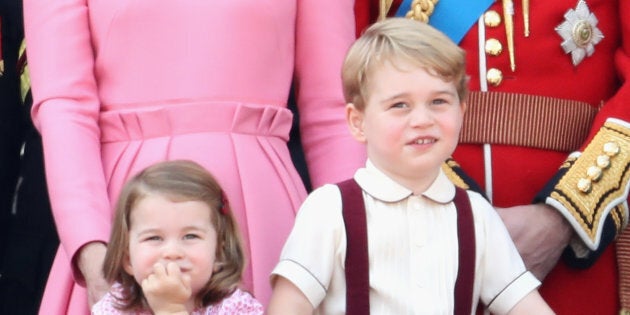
{"points": [[596, 184], [579, 32]]}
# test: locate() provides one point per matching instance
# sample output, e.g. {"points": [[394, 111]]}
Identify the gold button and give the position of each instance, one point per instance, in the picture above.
{"points": [[494, 76], [594, 173], [493, 47], [584, 185], [603, 161], [492, 18], [611, 148]]}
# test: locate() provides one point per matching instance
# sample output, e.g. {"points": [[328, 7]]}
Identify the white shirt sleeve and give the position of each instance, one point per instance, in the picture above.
{"points": [[505, 281], [312, 249]]}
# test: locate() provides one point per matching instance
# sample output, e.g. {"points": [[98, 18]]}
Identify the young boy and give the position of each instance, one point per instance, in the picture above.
{"points": [[406, 87]]}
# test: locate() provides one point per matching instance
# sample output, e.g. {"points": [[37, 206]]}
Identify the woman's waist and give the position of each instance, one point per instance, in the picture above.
{"points": [[149, 120]]}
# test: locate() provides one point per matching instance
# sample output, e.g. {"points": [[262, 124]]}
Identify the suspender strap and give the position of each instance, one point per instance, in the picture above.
{"points": [[357, 261], [466, 239]]}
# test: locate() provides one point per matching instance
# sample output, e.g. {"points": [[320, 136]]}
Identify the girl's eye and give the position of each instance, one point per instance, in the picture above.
{"points": [[152, 238], [191, 236]]}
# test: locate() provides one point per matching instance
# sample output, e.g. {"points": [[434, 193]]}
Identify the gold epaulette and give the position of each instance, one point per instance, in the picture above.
{"points": [[449, 167], [595, 183], [25, 79]]}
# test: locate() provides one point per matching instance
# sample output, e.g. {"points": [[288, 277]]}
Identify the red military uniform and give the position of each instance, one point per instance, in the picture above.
{"points": [[540, 112]]}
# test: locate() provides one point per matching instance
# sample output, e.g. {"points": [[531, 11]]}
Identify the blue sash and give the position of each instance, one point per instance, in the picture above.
{"points": [[453, 17]]}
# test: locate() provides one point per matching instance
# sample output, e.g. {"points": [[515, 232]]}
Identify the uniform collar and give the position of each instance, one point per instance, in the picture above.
{"points": [[380, 186]]}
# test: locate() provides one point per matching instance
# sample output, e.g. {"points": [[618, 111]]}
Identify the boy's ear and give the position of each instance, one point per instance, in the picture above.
{"points": [[464, 106], [354, 118]]}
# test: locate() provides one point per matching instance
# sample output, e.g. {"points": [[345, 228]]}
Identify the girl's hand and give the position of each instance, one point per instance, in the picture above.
{"points": [[167, 290]]}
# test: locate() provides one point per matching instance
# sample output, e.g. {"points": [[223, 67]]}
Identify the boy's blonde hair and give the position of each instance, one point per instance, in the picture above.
{"points": [[400, 40], [178, 181]]}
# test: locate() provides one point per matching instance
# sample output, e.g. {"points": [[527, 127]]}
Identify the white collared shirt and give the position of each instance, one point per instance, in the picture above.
{"points": [[413, 250]]}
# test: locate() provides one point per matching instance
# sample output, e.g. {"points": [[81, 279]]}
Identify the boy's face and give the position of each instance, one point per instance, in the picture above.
{"points": [[411, 121]]}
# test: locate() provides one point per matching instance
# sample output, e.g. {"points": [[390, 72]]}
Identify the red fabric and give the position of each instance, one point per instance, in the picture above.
{"points": [[542, 68]]}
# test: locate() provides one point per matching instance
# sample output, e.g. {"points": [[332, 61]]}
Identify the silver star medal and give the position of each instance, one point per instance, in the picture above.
{"points": [[579, 32]]}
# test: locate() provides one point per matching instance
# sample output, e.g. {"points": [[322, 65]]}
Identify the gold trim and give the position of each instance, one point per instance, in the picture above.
{"points": [[25, 78], [526, 17], [526, 120], [589, 208], [448, 169], [421, 10], [384, 7], [508, 17]]}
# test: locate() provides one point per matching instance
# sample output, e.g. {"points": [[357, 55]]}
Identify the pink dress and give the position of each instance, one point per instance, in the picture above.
{"points": [[239, 302], [119, 85]]}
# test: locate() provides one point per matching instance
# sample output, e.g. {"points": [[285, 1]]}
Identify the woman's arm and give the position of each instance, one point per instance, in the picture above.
{"points": [[65, 111], [325, 30]]}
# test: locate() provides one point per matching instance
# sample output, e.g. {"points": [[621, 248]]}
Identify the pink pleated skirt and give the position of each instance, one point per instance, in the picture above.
{"points": [[245, 148]]}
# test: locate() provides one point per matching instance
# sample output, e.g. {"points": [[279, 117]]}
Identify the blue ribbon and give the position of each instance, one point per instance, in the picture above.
{"points": [[453, 17]]}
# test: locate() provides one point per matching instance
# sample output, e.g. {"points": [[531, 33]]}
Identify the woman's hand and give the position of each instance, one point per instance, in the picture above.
{"points": [[90, 263]]}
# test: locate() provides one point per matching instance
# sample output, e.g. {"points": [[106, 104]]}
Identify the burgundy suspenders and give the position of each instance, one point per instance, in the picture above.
{"points": [[357, 262], [466, 261]]}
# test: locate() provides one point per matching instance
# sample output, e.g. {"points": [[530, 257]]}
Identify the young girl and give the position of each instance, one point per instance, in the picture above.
{"points": [[174, 247]]}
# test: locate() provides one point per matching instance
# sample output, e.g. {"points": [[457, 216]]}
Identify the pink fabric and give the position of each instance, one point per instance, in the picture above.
{"points": [[220, 72], [238, 303]]}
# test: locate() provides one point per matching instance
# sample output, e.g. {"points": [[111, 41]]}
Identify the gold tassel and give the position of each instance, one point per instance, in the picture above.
{"points": [[508, 15], [384, 7]]}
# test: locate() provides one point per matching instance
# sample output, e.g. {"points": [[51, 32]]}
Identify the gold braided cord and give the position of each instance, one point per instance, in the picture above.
{"points": [[421, 10]]}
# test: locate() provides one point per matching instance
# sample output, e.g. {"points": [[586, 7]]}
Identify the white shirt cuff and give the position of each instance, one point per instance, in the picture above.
{"points": [[513, 293], [301, 278]]}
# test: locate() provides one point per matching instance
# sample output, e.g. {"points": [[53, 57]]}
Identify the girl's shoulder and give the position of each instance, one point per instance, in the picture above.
{"points": [[239, 302]]}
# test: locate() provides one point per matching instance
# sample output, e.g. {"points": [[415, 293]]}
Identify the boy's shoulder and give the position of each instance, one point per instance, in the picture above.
{"points": [[323, 200]]}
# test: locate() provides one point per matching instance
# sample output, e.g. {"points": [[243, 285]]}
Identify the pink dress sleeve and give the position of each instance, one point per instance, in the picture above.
{"points": [[65, 111], [325, 30]]}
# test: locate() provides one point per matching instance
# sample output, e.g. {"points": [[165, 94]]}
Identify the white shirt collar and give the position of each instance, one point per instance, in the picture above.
{"points": [[380, 186]]}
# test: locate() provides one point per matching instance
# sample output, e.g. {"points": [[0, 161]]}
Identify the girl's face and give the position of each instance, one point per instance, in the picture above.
{"points": [[163, 231], [410, 123]]}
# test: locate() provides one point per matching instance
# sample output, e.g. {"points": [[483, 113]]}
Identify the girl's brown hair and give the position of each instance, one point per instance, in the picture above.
{"points": [[179, 180]]}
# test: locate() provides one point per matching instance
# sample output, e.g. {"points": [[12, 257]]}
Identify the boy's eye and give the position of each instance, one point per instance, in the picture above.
{"points": [[399, 105], [439, 101]]}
